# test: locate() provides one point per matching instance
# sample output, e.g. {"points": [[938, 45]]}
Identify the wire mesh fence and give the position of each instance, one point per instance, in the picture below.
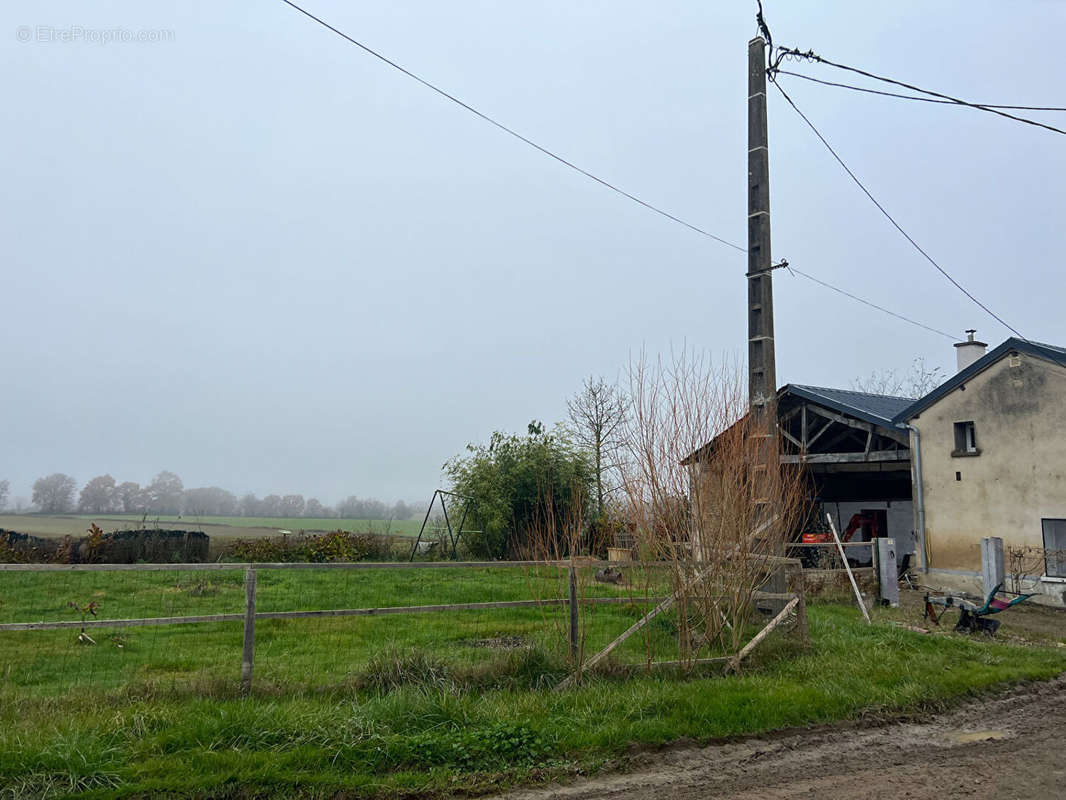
{"points": [[223, 628]]}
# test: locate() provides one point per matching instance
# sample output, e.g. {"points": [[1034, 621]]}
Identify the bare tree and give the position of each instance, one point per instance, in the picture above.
{"points": [[130, 498], [701, 495], [555, 536], [597, 414], [165, 493], [402, 510], [5, 487], [917, 382], [98, 495], [354, 508], [250, 505], [209, 501], [292, 505], [270, 506], [54, 494]]}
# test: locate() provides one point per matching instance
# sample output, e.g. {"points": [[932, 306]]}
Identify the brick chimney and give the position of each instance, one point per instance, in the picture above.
{"points": [[969, 351]]}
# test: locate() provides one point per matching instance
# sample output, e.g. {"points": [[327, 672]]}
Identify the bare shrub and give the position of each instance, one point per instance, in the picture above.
{"points": [[1025, 565], [706, 494], [556, 535]]}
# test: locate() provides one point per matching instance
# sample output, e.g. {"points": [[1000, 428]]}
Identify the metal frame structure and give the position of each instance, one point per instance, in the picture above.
{"points": [[453, 537]]}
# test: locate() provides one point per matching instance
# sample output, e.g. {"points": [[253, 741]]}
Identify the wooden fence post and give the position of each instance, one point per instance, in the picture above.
{"points": [[575, 644], [248, 656], [847, 566]]}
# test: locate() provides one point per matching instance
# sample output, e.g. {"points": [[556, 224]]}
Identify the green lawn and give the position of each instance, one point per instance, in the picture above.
{"points": [[371, 706], [294, 654]]}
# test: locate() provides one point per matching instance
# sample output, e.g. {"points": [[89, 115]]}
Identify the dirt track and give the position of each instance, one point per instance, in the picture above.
{"points": [[1003, 747]]}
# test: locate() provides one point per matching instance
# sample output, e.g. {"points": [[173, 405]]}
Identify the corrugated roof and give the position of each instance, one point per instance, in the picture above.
{"points": [[1048, 352], [880, 409]]}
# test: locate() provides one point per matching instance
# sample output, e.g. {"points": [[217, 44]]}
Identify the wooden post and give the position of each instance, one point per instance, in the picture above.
{"points": [[636, 626], [665, 605], [575, 644], [248, 657], [847, 566]]}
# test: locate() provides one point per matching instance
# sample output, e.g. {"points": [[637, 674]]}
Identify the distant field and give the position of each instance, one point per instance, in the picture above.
{"points": [[405, 527], [223, 527]]}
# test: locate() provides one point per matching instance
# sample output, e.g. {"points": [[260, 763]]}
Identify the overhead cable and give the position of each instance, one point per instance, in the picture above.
{"points": [[871, 305], [510, 131], [576, 168], [810, 55], [867, 90], [890, 218]]}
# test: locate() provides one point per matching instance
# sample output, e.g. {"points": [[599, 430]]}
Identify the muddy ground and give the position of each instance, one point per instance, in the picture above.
{"points": [[1027, 624], [1000, 747]]}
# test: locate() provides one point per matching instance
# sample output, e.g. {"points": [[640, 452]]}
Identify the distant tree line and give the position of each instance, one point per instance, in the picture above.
{"points": [[166, 494]]}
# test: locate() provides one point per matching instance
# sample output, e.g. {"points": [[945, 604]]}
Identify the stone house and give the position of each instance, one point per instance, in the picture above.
{"points": [[988, 450]]}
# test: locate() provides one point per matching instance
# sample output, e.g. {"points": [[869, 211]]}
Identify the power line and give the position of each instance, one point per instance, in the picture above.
{"points": [[578, 169], [889, 217], [909, 96], [510, 131], [868, 303], [812, 56]]}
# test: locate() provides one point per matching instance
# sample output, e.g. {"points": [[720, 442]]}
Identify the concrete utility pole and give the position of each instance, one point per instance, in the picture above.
{"points": [[762, 368]]}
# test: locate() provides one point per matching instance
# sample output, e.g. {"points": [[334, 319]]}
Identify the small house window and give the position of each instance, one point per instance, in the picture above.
{"points": [[1054, 547], [965, 439]]}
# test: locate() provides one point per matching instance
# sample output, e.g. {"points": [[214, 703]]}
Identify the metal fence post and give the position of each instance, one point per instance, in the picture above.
{"points": [[248, 657], [799, 588], [574, 642], [887, 571]]}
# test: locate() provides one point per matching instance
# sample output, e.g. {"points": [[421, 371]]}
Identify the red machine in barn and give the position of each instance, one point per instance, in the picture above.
{"points": [[818, 533], [865, 522]]}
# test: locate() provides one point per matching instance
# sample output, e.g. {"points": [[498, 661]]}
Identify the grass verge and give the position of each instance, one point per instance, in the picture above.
{"points": [[407, 727]]}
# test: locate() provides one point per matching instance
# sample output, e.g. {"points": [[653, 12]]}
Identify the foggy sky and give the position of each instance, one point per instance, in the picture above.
{"points": [[262, 259]]}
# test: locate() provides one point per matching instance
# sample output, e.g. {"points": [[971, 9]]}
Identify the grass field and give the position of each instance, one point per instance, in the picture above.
{"points": [[401, 705], [293, 654], [407, 527], [223, 527]]}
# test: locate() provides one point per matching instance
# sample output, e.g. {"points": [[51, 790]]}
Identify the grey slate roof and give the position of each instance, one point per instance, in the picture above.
{"points": [[880, 409], [1048, 352]]}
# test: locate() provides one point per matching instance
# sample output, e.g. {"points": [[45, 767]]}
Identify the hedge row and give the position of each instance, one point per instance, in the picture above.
{"points": [[97, 547]]}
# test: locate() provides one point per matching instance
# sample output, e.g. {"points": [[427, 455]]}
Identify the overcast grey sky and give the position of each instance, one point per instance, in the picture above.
{"points": [[260, 258]]}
